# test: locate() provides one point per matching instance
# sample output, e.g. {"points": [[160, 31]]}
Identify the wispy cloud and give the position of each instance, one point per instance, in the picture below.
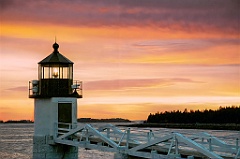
{"points": [[174, 45], [191, 51], [124, 84], [18, 89], [187, 15]]}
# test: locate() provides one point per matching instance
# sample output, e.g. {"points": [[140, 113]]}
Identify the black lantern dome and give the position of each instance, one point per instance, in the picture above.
{"points": [[55, 57], [55, 76]]}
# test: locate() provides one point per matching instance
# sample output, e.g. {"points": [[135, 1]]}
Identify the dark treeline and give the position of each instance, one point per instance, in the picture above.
{"points": [[221, 116], [83, 120], [17, 121]]}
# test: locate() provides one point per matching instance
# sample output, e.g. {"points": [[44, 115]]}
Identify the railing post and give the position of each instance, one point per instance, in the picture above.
{"points": [[128, 137], [210, 144], [176, 144], [237, 146], [55, 130], [74, 125], [149, 135], [29, 89], [87, 135], [108, 132], [170, 147]]}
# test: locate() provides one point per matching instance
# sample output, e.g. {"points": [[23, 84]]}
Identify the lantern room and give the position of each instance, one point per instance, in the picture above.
{"points": [[55, 66], [55, 77]]}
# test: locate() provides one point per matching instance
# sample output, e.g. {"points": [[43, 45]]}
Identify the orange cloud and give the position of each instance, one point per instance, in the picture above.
{"points": [[188, 16], [132, 56], [204, 52]]}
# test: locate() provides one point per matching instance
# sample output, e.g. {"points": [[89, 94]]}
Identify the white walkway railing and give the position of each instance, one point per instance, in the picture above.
{"points": [[173, 145]]}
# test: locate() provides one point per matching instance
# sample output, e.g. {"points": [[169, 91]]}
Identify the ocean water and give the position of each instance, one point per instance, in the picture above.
{"points": [[16, 140]]}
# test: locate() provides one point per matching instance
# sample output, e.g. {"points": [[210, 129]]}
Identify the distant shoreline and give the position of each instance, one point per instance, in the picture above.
{"points": [[16, 121], [208, 126], [112, 120], [229, 126], [80, 120]]}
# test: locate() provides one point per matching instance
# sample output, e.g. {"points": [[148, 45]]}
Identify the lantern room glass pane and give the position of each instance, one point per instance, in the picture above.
{"points": [[54, 72], [46, 72], [70, 72], [40, 70], [65, 72], [61, 72]]}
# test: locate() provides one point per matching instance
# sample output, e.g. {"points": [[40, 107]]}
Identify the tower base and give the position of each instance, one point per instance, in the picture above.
{"points": [[119, 155], [42, 149]]}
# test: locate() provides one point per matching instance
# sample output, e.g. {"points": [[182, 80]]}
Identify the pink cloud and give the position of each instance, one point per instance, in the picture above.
{"points": [[132, 83], [187, 15]]}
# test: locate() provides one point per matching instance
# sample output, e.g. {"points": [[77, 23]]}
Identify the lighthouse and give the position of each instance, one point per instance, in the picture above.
{"points": [[55, 95]]}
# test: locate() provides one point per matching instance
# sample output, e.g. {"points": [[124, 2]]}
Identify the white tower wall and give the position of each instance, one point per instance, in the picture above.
{"points": [[55, 106], [45, 129]]}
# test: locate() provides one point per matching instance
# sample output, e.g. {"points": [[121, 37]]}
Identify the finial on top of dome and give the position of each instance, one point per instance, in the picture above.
{"points": [[55, 47]]}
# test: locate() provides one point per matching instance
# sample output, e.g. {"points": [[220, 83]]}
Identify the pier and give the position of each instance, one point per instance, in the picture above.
{"points": [[125, 143]]}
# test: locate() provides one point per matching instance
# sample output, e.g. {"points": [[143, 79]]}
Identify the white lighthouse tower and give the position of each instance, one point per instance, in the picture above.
{"points": [[55, 106]]}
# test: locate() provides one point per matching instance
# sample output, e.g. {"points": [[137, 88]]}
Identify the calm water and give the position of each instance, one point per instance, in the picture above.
{"points": [[16, 140]]}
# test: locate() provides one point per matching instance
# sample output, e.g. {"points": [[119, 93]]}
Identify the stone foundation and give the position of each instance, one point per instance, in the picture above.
{"points": [[119, 155], [43, 148]]}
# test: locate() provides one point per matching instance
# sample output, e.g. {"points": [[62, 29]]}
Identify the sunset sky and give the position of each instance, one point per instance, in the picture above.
{"points": [[135, 57]]}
